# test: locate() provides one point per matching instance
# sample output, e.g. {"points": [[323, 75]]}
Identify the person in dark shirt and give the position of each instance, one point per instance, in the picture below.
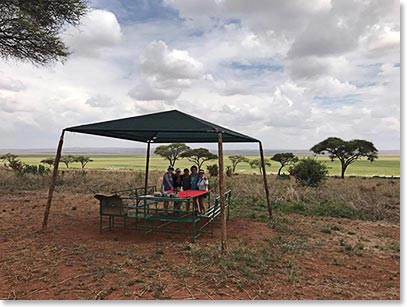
{"points": [[194, 177], [186, 180], [177, 179], [168, 185]]}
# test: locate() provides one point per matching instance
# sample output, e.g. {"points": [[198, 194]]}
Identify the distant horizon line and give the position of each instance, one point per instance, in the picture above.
{"points": [[77, 148]]}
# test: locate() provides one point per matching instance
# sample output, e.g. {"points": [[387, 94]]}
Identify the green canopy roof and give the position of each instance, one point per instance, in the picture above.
{"points": [[163, 127]]}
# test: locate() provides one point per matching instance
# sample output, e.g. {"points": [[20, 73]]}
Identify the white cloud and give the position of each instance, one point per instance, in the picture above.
{"points": [[10, 84], [382, 39], [290, 73], [329, 86], [166, 63], [100, 101], [165, 72], [98, 29]]}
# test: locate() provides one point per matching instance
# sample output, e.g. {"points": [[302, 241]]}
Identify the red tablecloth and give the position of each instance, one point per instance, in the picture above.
{"points": [[189, 193]]}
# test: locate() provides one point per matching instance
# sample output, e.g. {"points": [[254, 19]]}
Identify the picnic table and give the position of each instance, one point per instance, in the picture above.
{"points": [[177, 214], [145, 211], [181, 196]]}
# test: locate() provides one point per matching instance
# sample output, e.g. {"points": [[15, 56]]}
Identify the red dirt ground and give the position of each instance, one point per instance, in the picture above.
{"points": [[320, 258]]}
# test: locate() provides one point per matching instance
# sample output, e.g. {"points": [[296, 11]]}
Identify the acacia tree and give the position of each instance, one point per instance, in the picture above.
{"points": [[12, 161], [285, 158], [346, 151], [199, 156], [50, 161], [256, 163], [30, 29], [83, 160], [67, 160], [171, 152], [236, 159]]}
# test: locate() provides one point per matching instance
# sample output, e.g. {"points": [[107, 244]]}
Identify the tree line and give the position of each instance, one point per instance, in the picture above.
{"points": [[307, 170], [345, 151], [69, 159], [13, 162]]}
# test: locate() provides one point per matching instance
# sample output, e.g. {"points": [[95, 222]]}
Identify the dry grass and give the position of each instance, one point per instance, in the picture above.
{"points": [[361, 198], [308, 254]]}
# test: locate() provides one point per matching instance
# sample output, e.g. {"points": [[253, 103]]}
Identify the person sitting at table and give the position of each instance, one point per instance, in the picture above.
{"points": [[168, 184], [203, 185]]}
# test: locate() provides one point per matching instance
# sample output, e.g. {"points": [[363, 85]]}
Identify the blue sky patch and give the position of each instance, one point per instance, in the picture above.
{"points": [[137, 11], [258, 67], [337, 101], [361, 84], [372, 69]]}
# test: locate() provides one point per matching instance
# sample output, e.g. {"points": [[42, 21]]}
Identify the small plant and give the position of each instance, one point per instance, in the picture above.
{"points": [[326, 230], [335, 228], [395, 246], [292, 273], [347, 247], [336, 261]]}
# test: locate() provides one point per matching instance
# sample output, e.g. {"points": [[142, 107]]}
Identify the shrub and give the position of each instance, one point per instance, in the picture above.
{"points": [[35, 170], [229, 171], [309, 171], [213, 170]]}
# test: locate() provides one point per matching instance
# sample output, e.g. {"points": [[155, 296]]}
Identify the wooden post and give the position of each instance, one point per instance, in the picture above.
{"points": [[147, 167], [269, 207], [53, 181], [222, 194]]}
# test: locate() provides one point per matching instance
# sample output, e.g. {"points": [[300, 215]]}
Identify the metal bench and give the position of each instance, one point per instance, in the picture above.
{"points": [[111, 207], [214, 211]]}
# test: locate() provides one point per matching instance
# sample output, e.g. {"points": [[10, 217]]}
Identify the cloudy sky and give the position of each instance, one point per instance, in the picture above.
{"points": [[288, 72]]}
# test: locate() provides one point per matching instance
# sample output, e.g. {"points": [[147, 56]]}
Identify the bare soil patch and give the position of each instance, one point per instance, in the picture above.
{"points": [[301, 258]]}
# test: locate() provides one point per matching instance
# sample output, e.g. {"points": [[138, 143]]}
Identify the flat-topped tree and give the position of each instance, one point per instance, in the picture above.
{"points": [[236, 159], [346, 151], [199, 156], [285, 158], [171, 152], [83, 160], [68, 159], [50, 161], [256, 163]]}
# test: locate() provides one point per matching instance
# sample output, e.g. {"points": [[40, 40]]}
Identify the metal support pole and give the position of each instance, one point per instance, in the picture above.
{"points": [[53, 181], [147, 166], [222, 194], [269, 207]]}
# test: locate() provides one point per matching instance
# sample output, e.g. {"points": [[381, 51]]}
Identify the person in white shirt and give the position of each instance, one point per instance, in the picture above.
{"points": [[203, 185]]}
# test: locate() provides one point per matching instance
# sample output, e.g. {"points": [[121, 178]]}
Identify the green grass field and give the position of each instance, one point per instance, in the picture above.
{"points": [[384, 166]]}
